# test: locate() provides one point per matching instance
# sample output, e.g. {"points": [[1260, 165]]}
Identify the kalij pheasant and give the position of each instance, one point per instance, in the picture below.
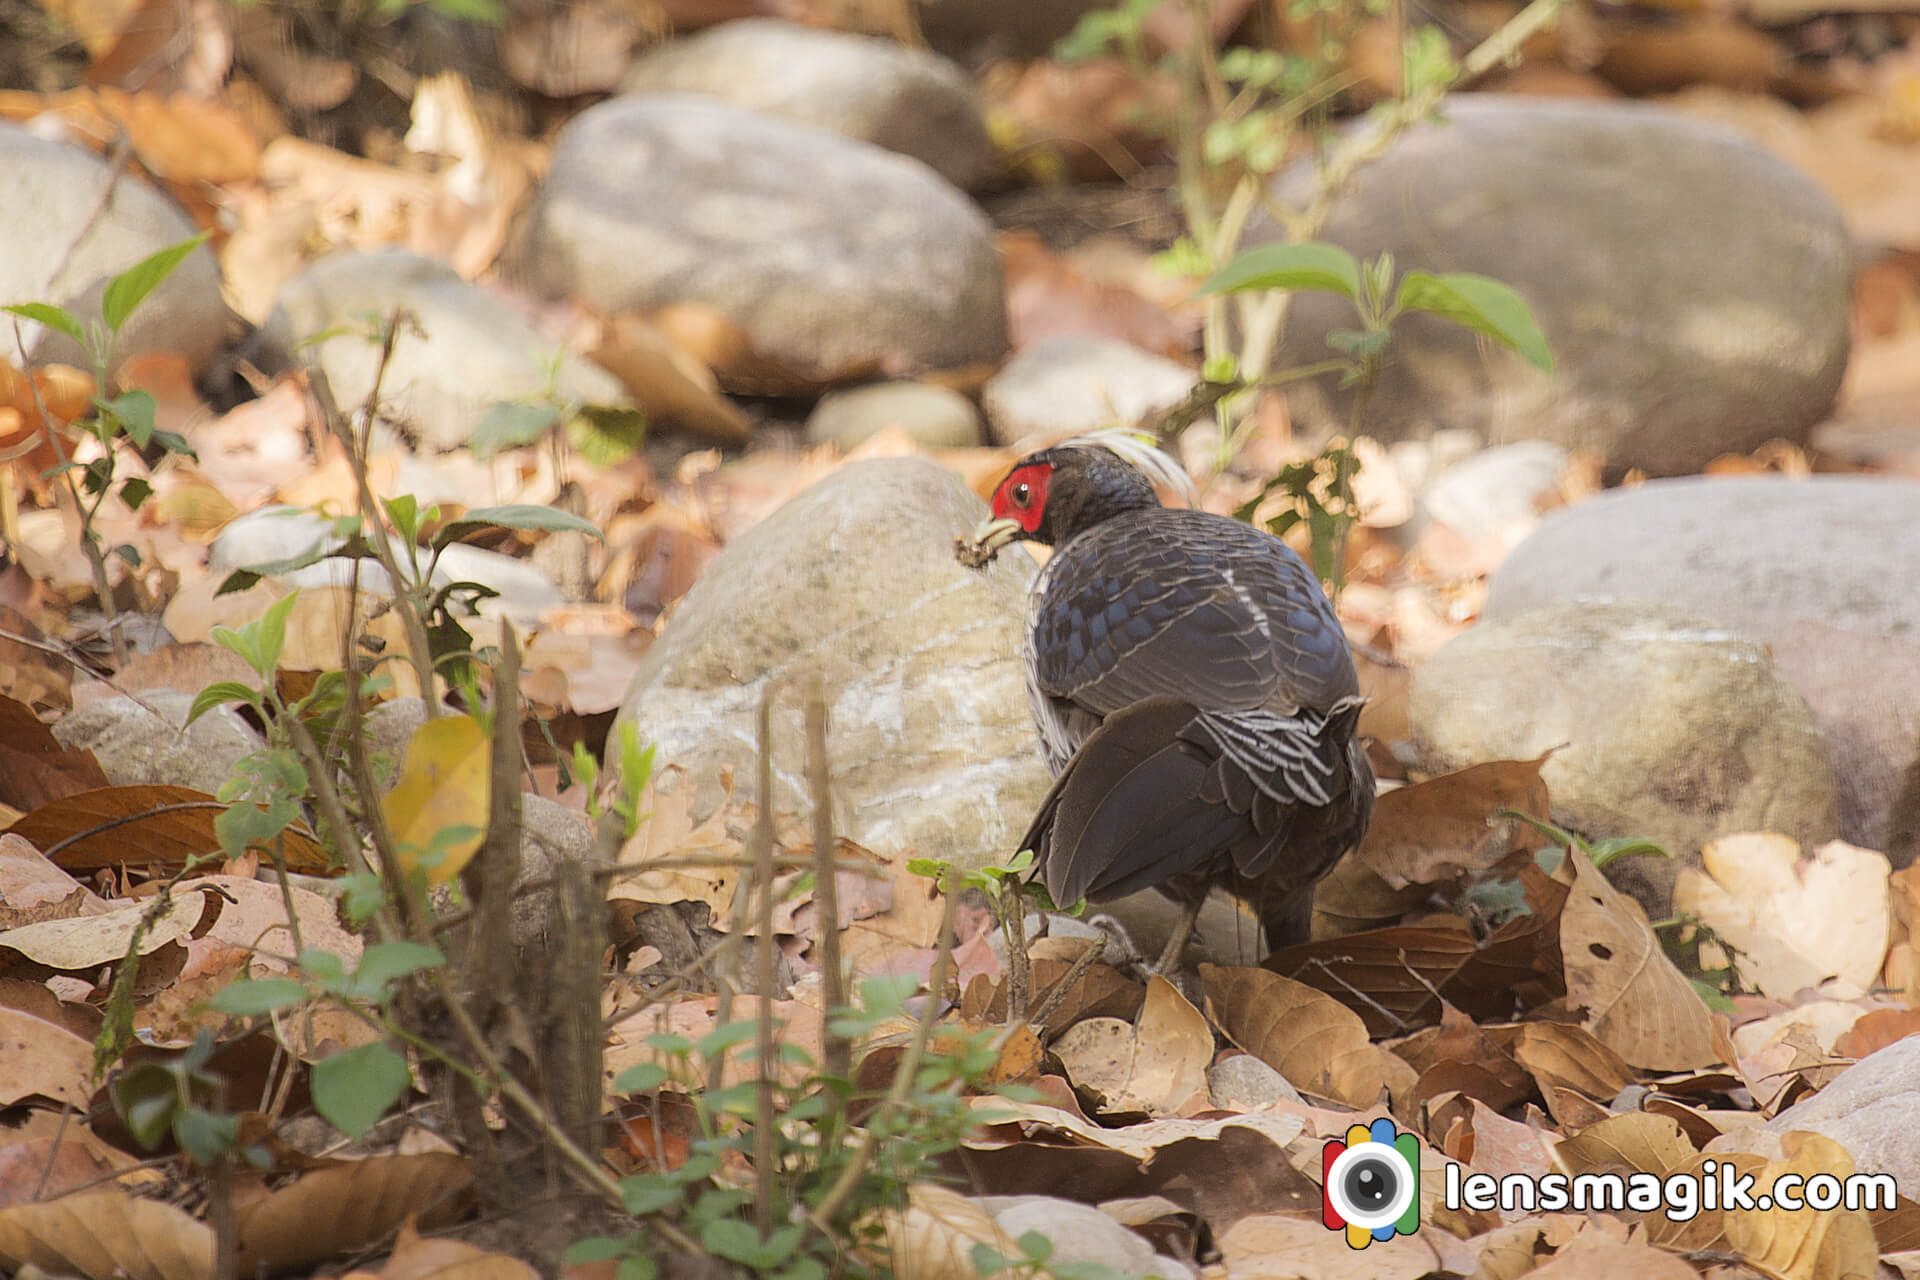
{"points": [[1193, 690]]}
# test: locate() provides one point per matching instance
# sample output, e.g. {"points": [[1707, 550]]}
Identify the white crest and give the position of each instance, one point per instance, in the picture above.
{"points": [[1138, 451]]}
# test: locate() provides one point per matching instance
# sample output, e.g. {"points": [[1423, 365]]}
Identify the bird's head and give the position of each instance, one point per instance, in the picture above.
{"points": [[1052, 495]]}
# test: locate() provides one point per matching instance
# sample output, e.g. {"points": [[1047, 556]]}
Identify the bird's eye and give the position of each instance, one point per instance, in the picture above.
{"points": [[1022, 494]]}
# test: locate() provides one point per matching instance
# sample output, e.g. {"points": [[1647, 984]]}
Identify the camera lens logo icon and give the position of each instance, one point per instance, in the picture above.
{"points": [[1371, 1183]]}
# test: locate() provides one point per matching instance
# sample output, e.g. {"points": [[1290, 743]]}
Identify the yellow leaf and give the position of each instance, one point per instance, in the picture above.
{"points": [[446, 783]]}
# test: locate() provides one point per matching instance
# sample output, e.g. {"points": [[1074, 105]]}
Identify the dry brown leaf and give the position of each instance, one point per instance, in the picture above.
{"points": [[1432, 831], [1610, 1260], [32, 889], [1797, 921], [1636, 1002], [794, 1023], [142, 826], [1394, 978], [107, 1235], [934, 1236], [316, 624], [1153, 1066], [1803, 1244], [1101, 992], [41, 1059], [351, 1206], [81, 944], [1283, 1245], [1876, 1030], [1316, 1042], [666, 380], [1561, 1055], [34, 767]]}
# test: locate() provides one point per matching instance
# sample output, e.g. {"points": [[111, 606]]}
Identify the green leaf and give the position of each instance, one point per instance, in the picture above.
{"points": [[649, 1196], [509, 425], [642, 1077], [491, 12], [252, 997], [135, 412], [352, 1090], [739, 1242], [522, 515], [1480, 304], [51, 316], [131, 287], [637, 1266], [219, 694], [1313, 265], [145, 1097], [384, 962], [594, 1249], [205, 1135]]}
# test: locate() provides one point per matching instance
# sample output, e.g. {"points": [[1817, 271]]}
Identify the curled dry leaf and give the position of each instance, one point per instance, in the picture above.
{"points": [[1799, 1244], [102, 1234], [354, 1205], [33, 889], [82, 944], [1153, 1066], [415, 1258], [1434, 830], [933, 1237], [1636, 1002], [1394, 978], [1797, 921], [1316, 1042], [144, 826]]}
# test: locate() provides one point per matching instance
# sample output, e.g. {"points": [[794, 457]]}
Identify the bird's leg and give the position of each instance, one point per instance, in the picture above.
{"points": [[1177, 940]]}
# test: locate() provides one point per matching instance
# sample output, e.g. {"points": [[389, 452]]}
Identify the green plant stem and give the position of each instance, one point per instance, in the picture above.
{"points": [[856, 1168], [765, 1051]]}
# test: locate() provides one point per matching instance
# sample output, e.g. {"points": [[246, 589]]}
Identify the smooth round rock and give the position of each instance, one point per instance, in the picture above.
{"points": [[1754, 552], [1694, 288], [1868, 1110], [934, 417], [828, 258], [49, 216], [472, 350], [137, 748], [1662, 724], [876, 90], [1820, 569], [931, 744], [1080, 382]]}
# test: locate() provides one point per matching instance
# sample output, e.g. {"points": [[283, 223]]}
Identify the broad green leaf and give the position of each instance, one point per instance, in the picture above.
{"points": [[522, 515], [642, 1077], [252, 997], [131, 287], [1482, 305], [509, 425], [51, 316], [607, 435], [352, 1090], [491, 12], [594, 1249], [384, 962], [135, 411], [446, 783], [145, 1096], [1313, 265], [219, 694]]}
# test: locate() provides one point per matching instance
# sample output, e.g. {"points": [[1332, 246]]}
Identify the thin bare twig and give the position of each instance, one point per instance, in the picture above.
{"points": [[836, 1056]]}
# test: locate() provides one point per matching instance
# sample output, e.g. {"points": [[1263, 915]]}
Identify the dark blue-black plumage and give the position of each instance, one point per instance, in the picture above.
{"points": [[1196, 698]]}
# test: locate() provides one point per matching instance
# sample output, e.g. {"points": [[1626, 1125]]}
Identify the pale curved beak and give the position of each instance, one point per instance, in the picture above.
{"points": [[978, 549]]}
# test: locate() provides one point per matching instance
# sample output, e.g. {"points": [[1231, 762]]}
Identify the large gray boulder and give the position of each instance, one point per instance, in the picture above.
{"points": [[825, 259], [1694, 288], [876, 90], [1869, 1110], [931, 744], [1821, 570], [1662, 724], [57, 246], [470, 351]]}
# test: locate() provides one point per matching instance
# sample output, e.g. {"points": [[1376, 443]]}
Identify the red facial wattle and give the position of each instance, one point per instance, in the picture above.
{"points": [[1022, 496]]}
